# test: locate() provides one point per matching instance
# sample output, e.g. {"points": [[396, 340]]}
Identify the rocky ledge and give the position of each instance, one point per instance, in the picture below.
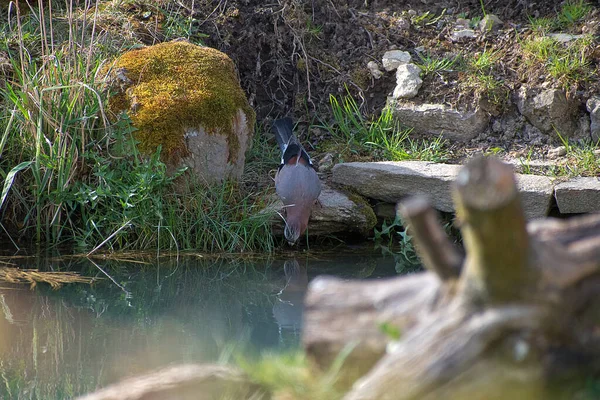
{"points": [[392, 181]]}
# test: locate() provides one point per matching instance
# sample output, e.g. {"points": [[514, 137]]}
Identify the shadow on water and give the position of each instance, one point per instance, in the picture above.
{"points": [[148, 314]]}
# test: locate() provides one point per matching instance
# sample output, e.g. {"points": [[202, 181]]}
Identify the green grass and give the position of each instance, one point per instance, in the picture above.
{"points": [[484, 61], [542, 24], [381, 138], [431, 64], [572, 12], [291, 376], [580, 160], [72, 176], [568, 63]]}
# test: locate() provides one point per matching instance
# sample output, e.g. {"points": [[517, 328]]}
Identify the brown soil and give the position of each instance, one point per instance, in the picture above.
{"points": [[292, 55]]}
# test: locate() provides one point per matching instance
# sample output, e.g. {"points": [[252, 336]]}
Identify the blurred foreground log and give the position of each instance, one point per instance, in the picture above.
{"points": [[183, 382], [517, 318]]}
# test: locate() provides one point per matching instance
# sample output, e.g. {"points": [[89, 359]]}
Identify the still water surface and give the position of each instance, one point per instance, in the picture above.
{"points": [[146, 313]]}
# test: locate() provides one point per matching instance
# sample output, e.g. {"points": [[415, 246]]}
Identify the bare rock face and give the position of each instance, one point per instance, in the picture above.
{"points": [[187, 100], [549, 111], [593, 107], [437, 119], [183, 382]]}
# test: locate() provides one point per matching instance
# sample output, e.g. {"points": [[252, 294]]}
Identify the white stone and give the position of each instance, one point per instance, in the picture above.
{"points": [[557, 152], [374, 69], [564, 37], [438, 119], [490, 23], [408, 81], [462, 34], [393, 58]]}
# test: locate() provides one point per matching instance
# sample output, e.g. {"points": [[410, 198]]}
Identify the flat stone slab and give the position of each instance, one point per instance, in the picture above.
{"points": [[578, 195], [391, 181]]}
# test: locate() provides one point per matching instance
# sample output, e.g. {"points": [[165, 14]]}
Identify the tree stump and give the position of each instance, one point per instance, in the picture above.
{"points": [[514, 318]]}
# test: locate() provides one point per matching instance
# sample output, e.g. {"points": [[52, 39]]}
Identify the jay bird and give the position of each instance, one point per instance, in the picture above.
{"points": [[296, 181]]}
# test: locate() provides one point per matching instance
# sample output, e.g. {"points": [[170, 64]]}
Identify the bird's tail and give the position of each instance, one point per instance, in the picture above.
{"points": [[282, 128], [287, 141]]}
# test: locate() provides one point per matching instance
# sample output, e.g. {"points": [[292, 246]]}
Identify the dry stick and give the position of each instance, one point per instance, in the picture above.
{"points": [[433, 246], [488, 206]]}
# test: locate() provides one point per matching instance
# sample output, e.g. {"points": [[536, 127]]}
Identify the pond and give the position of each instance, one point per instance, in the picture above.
{"points": [[144, 313]]}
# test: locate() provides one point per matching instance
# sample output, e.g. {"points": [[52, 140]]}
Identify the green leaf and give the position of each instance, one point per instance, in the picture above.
{"points": [[10, 177]]}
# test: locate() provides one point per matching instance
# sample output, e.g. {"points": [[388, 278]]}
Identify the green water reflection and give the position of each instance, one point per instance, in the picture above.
{"points": [[154, 312]]}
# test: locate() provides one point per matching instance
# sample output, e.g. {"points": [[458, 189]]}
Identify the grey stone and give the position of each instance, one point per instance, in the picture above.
{"points": [[462, 34], [490, 23], [391, 181], [593, 107], [557, 152], [393, 58], [578, 195], [326, 163], [408, 81], [337, 212], [374, 69], [549, 111], [438, 119], [565, 37]]}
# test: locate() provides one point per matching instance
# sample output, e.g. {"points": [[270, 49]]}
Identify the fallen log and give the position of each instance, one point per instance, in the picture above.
{"points": [[513, 319]]}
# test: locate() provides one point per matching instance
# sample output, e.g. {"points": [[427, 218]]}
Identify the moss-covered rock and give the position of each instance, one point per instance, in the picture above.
{"points": [[187, 99]]}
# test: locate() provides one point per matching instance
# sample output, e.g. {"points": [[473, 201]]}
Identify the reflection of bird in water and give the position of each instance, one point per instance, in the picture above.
{"points": [[289, 304]]}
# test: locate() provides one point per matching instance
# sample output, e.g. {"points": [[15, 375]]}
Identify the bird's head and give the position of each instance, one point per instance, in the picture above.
{"points": [[296, 222]]}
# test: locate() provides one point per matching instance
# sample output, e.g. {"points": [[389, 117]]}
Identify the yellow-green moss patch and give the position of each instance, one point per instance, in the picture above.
{"points": [[364, 207], [179, 85]]}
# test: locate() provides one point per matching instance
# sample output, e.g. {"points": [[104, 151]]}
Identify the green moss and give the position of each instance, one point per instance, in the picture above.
{"points": [[365, 209], [178, 85]]}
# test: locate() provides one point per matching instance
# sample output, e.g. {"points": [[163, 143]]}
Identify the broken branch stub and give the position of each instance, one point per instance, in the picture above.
{"points": [[489, 211], [433, 246]]}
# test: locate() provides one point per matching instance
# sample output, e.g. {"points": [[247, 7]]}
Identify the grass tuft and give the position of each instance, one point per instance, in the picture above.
{"points": [[381, 138]]}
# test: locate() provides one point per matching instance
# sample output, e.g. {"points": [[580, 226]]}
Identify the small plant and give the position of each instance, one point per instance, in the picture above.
{"points": [[572, 12], [526, 163], [405, 255], [485, 60], [427, 18], [433, 65], [580, 160], [313, 30], [542, 24], [493, 151], [474, 22]]}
